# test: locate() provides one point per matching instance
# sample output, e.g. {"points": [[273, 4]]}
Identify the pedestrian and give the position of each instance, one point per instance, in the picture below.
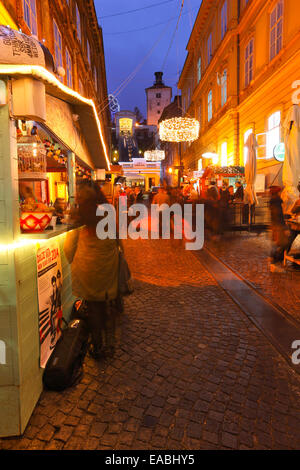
{"points": [[231, 193], [212, 209], [224, 208], [94, 265], [239, 193], [138, 195], [280, 233], [160, 199], [294, 229]]}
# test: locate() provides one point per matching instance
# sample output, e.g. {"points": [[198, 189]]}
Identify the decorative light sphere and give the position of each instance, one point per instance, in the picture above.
{"points": [[179, 129], [154, 155]]}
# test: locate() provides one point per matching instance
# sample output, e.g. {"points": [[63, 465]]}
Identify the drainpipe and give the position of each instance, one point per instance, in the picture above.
{"points": [[238, 87]]}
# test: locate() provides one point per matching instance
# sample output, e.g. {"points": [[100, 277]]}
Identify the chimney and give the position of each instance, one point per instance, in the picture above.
{"points": [[158, 76]]}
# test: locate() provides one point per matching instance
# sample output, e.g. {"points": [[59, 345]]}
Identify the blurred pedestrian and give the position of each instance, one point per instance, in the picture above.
{"points": [[239, 193], [160, 199], [280, 232], [94, 266], [231, 193], [224, 208], [212, 209]]}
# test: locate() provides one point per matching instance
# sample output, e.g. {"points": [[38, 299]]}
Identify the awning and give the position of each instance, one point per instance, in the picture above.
{"points": [[18, 48], [85, 108]]}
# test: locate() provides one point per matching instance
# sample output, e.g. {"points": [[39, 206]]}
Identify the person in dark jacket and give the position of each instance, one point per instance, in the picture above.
{"points": [[212, 209], [280, 233], [239, 194]]}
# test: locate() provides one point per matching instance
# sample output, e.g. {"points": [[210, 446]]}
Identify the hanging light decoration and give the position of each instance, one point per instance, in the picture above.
{"points": [[154, 155], [179, 129]]}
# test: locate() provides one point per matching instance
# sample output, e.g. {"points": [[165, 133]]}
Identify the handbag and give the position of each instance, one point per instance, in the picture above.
{"points": [[125, 283]]}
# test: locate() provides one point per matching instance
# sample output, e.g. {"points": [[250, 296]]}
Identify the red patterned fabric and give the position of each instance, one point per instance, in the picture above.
{"points": [[36, 222]]}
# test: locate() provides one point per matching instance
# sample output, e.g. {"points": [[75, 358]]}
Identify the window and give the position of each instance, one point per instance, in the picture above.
{"points": [[29, 8], [224, 154], [224, 88], [209, 49], [199, 113], [273, 134], [81, 90], [249, 62], [88, 51], [276, 23], [158, 111], [69, 69], [199, 70], [246, 135], [158, 95], [57, 45], [209, 106], [224, 19], [78, 23], [95, 78]]}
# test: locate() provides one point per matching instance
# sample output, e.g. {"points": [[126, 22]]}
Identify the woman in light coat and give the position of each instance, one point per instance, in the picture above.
{"points": [[94, 265]]}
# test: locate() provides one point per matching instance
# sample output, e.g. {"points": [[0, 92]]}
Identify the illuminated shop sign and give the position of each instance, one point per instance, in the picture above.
{"points": [[125, 125]]}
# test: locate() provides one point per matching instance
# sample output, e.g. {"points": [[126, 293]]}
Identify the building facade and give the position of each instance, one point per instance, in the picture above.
{"points": [[70, 30], [242, 62], [158, 97]]}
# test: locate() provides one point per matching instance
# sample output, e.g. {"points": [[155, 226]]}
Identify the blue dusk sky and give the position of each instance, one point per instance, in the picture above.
{"points": [[144, 41]]}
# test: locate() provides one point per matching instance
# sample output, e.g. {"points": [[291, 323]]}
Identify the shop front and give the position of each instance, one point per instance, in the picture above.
{"points": [[142, 173], [50, 137]]}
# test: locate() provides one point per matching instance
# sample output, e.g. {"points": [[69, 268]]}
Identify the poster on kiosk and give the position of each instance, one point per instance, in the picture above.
{"points": [[49, 276]]}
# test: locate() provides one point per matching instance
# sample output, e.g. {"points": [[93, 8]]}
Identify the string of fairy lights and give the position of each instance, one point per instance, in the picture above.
{"points": [[179, 129]]}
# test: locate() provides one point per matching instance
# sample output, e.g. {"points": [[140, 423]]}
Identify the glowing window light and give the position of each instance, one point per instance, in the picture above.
{"points": [[224, 154], [180, 129], [211, 155], [215, 159], [273, 134], [42, 74], [154, 155]]}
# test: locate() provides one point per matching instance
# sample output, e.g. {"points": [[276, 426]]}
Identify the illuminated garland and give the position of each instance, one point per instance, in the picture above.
{"points": [[42, 74], [179, 129], [154, 155]]}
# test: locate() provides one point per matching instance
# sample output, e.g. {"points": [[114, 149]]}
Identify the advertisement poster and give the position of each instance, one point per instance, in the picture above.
{"points": [[49, 274]]}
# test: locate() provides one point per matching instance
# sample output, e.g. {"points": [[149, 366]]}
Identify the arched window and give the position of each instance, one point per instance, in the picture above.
{"points": [[276, 28], [29, 9], [199, 70], [209, 106], [224, 88]]}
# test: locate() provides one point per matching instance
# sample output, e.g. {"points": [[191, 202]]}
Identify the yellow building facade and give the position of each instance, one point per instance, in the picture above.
{"points": [[243, 59]]}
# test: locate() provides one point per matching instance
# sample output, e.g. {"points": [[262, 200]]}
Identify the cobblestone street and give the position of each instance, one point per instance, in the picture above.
{"points": [[190, 370], [248, 255]]}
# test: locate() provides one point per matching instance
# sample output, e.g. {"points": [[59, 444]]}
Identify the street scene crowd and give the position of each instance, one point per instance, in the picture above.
{"points": [[220, 207]]}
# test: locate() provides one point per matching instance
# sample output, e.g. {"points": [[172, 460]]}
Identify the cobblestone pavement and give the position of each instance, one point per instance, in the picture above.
{"points": [[190, 372], [248, 255]]}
